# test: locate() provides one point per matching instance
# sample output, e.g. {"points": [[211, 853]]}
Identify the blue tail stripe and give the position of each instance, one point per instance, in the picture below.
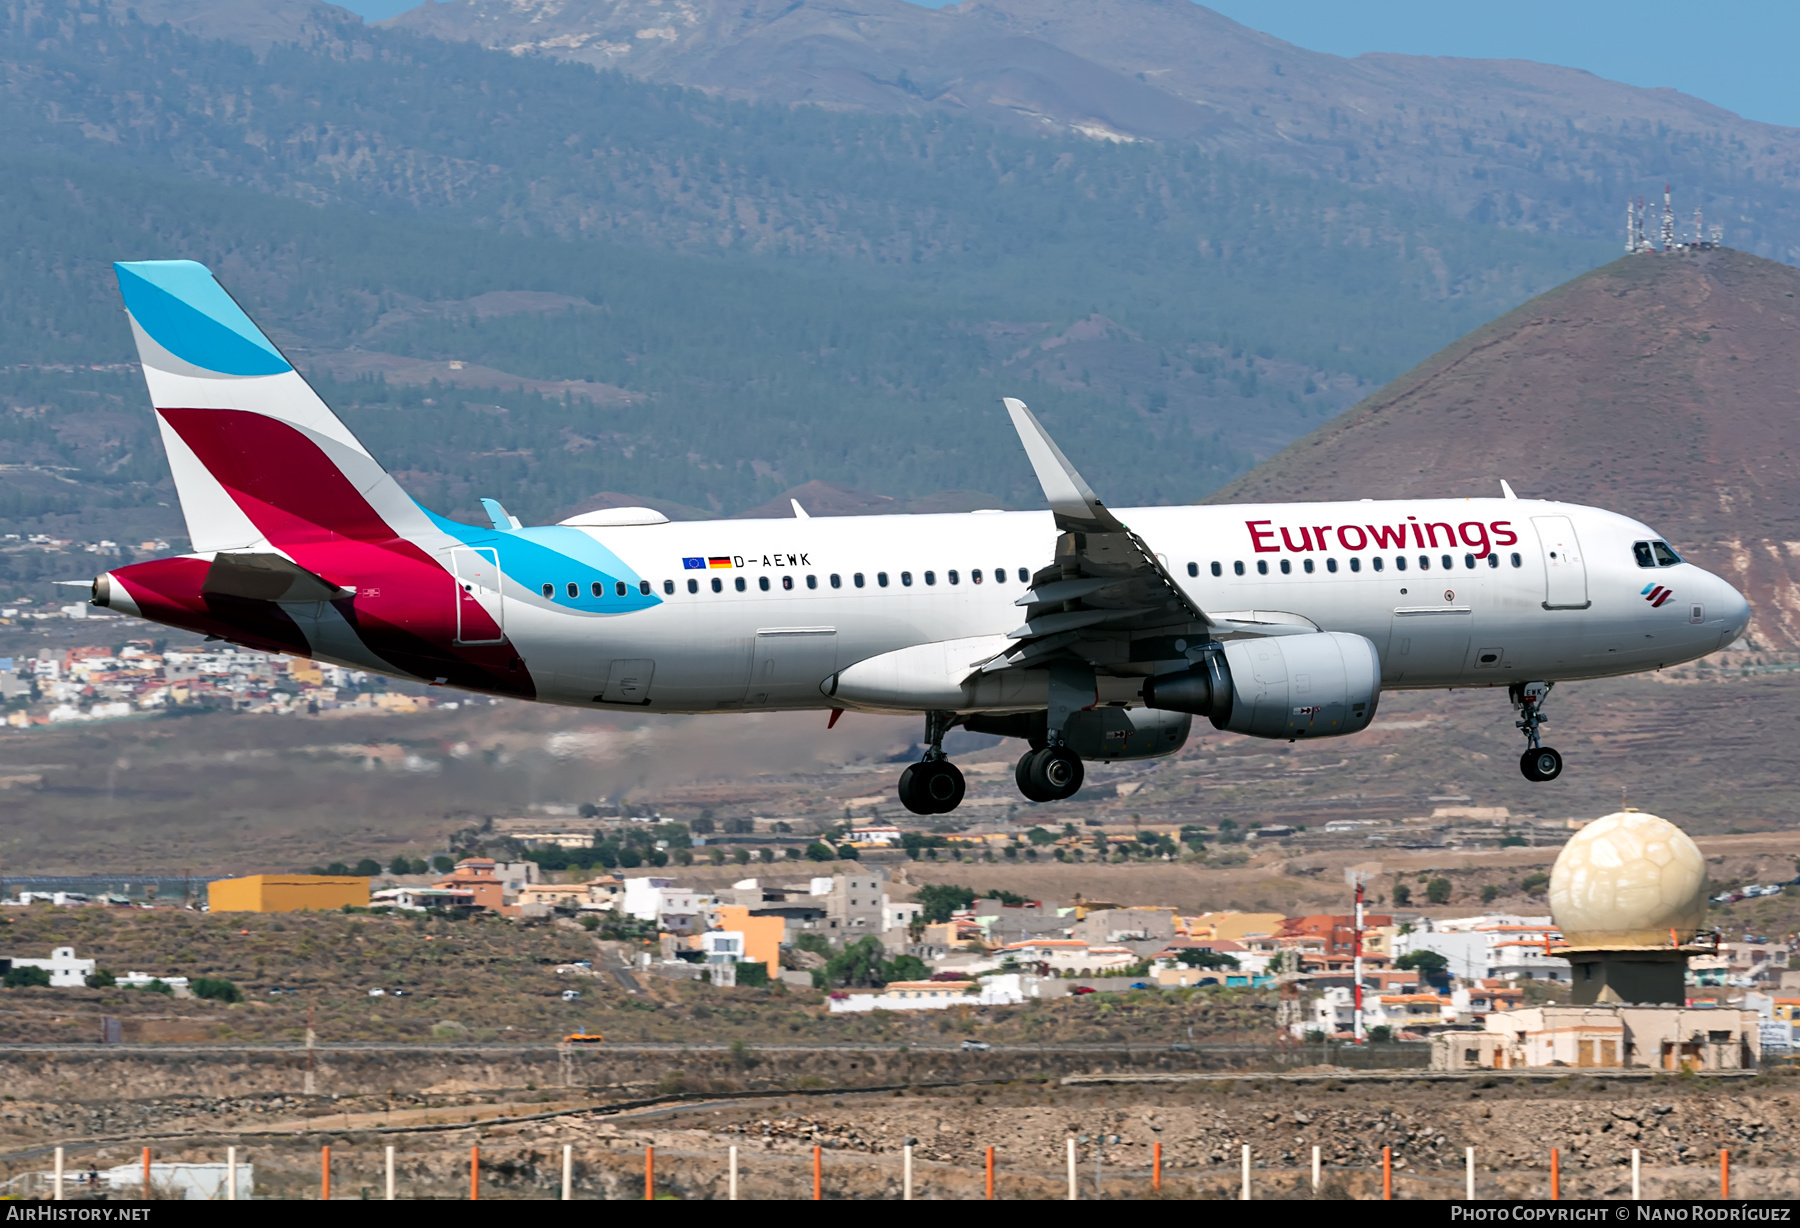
{"points": [[189, 314]]}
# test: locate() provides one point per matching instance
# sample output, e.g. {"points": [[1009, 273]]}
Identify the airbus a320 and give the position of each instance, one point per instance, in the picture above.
{"points": [[1087, 632]]}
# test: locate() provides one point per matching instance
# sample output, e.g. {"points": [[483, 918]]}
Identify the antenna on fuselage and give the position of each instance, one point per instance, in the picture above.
{"points": [[1506, 489], [799, 512]]}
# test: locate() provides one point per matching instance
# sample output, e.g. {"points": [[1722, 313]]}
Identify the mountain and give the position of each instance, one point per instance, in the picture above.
{"points": [[1661, 386], [1506, 142]]}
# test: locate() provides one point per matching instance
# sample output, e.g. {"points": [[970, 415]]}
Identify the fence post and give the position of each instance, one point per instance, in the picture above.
{"points": [[990, 1174], [818, 1174], [56, 1189], [1469, 1173], [1315, 1168], [906, 1174], [146, 1174], [475, 1172], [1244, 1194], [324, 1172], [1387, 1174], [1555, 1176], [568, 1184], [231, 1174], [1156, 1167], [1724, 1175], [649, 1173], [1074, 1190], [1636, 1171]]}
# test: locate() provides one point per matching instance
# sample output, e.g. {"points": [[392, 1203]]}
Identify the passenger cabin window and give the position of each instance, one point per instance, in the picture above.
{"points": [[787, 583], [1424, 562], [762, 582], [1355, 564], [881, 579], [718, 585], [1376, 562], [619, 587], [1287, 566], [738, 583], [1238, 568], [1194, 569], [931, 577], [1262, 567], [549, 590], [857, 579], [1665, 557], [1493, 559], [1217, 570], [643, 588], [975, 575], [1307, 566], [694, 585], [1331, 566], [837, 581], [1024, 576], [1447, 563], [1518, 560], [669, 587], [574, 590], [955, 576], [906, 579], [597, 588], [1399, 563], [812, 582], [1469, 562]]}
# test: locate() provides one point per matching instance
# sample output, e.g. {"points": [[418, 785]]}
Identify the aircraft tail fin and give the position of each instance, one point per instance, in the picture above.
{"points": [[259, 459]]}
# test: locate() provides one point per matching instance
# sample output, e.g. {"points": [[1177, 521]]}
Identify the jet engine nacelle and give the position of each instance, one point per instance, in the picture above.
{"points": [[1290, 686]]}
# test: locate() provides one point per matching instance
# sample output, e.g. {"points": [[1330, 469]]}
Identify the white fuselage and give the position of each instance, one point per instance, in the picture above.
{"points": [[1562, 596]]}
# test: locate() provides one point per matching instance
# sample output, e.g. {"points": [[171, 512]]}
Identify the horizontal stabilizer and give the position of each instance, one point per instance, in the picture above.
{"points": [[267, 577]]}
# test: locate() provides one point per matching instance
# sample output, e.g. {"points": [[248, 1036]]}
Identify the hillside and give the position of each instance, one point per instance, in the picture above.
{"points": [[1504, 142], [1660, 386]]}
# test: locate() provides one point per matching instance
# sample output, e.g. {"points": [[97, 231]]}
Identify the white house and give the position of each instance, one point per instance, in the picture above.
{"points": [[1494, 945], [1069, 955], [1007, 989], [643, 897], [881, 836], [66, 972]]}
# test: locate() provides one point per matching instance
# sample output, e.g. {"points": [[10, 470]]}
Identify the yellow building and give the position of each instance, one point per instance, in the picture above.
{"points": [[762, 935], [286, 893], [1233, 926]]}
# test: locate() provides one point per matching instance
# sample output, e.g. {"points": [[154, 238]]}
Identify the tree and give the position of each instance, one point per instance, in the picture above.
{"points": [[864, 963], [1380, 1034], [938, 900], [368, 867], [218, 989], [101, 978], [753, 974], [401, 864], [1427, 964], [1438, 891], [1402, 894], [741, 856], [338, 869], [24, 977], [419, 865], [1040, 837], [1489, 893], [817, 851], [847, 852], [443, 863], [1534, 884], [1198, 957], [704, 825]]}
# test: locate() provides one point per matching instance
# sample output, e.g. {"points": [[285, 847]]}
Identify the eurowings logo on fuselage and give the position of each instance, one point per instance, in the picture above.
{"points": [[1656, 594]]}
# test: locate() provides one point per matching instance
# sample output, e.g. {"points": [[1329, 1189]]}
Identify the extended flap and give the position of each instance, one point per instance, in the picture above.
{"points": [[267, 577]]}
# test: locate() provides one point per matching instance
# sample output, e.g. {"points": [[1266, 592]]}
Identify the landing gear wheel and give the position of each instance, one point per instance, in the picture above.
{"points": [[1056, 772], [1022, 777], [1541, 764], [932, 787]]}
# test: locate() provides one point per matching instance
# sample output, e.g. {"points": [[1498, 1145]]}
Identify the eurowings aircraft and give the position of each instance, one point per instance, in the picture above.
{"points": [[1089, 633]]}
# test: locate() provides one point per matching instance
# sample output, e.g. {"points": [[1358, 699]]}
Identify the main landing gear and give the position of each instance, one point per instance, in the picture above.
{"points": [[1049, 774], [1538, 762], [934, 785]]}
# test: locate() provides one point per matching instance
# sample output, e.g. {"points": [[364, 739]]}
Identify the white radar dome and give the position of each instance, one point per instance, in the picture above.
{"points": [[1626, 880]]}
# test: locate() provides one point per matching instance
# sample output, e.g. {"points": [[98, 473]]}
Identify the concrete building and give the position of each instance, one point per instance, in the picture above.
{"points": [[480, 878], [66, 972], [1115, 925], [1006, 989], [286, 893], [853, 903], [1644, 1037], [762, 934], [419, 899]]}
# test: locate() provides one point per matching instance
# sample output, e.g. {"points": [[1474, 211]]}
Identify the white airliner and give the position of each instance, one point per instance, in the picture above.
{"points": [[1087, 632]]}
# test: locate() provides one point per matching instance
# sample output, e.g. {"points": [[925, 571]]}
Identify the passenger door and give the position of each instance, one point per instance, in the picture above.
{"points": [[480, 607], [789, 663], [1565, 574]]}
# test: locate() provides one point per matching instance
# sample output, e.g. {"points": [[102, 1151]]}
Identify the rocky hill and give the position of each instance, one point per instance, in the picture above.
{"points": [[1663, 386], [1505, 142]]}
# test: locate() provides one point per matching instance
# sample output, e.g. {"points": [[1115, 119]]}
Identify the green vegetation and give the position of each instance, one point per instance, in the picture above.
{"points": [[1438, 891], [1535, 883], [217, 989], [25, 977], [1427, 963], [865, 963], [1402, 895], [791, 293], [1196, 958], [938, 900]]}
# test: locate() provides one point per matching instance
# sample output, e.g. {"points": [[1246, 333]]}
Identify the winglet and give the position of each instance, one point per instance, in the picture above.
{"points": [[502, 519], [1069, 496], [1506, 489], [799, 512]]}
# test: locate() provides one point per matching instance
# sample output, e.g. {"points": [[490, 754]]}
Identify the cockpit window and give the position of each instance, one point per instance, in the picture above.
{"points": [[1641, 550], [1665, 557]]}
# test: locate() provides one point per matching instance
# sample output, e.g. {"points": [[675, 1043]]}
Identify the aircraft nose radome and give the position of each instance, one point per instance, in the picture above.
{"points": [[1736, 609]]}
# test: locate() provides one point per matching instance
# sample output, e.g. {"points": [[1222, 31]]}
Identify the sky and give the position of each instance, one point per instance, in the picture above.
{"points": [[1740, 56]]}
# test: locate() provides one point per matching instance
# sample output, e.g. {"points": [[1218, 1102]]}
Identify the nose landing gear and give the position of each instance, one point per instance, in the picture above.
{"points": [[1539, 762], [934, 785], [1049, 774]]}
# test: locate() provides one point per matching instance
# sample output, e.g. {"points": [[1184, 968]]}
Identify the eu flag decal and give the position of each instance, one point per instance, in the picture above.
{"points": [[693, 564]]}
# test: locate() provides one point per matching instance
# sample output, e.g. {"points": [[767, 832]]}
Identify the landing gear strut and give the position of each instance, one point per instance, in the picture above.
{"points": [[1539, 762], [1049, 774], [934, 785]]}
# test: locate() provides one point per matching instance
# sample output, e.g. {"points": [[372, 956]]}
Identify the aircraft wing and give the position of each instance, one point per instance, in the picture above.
{"points": [[1108, 598]]}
